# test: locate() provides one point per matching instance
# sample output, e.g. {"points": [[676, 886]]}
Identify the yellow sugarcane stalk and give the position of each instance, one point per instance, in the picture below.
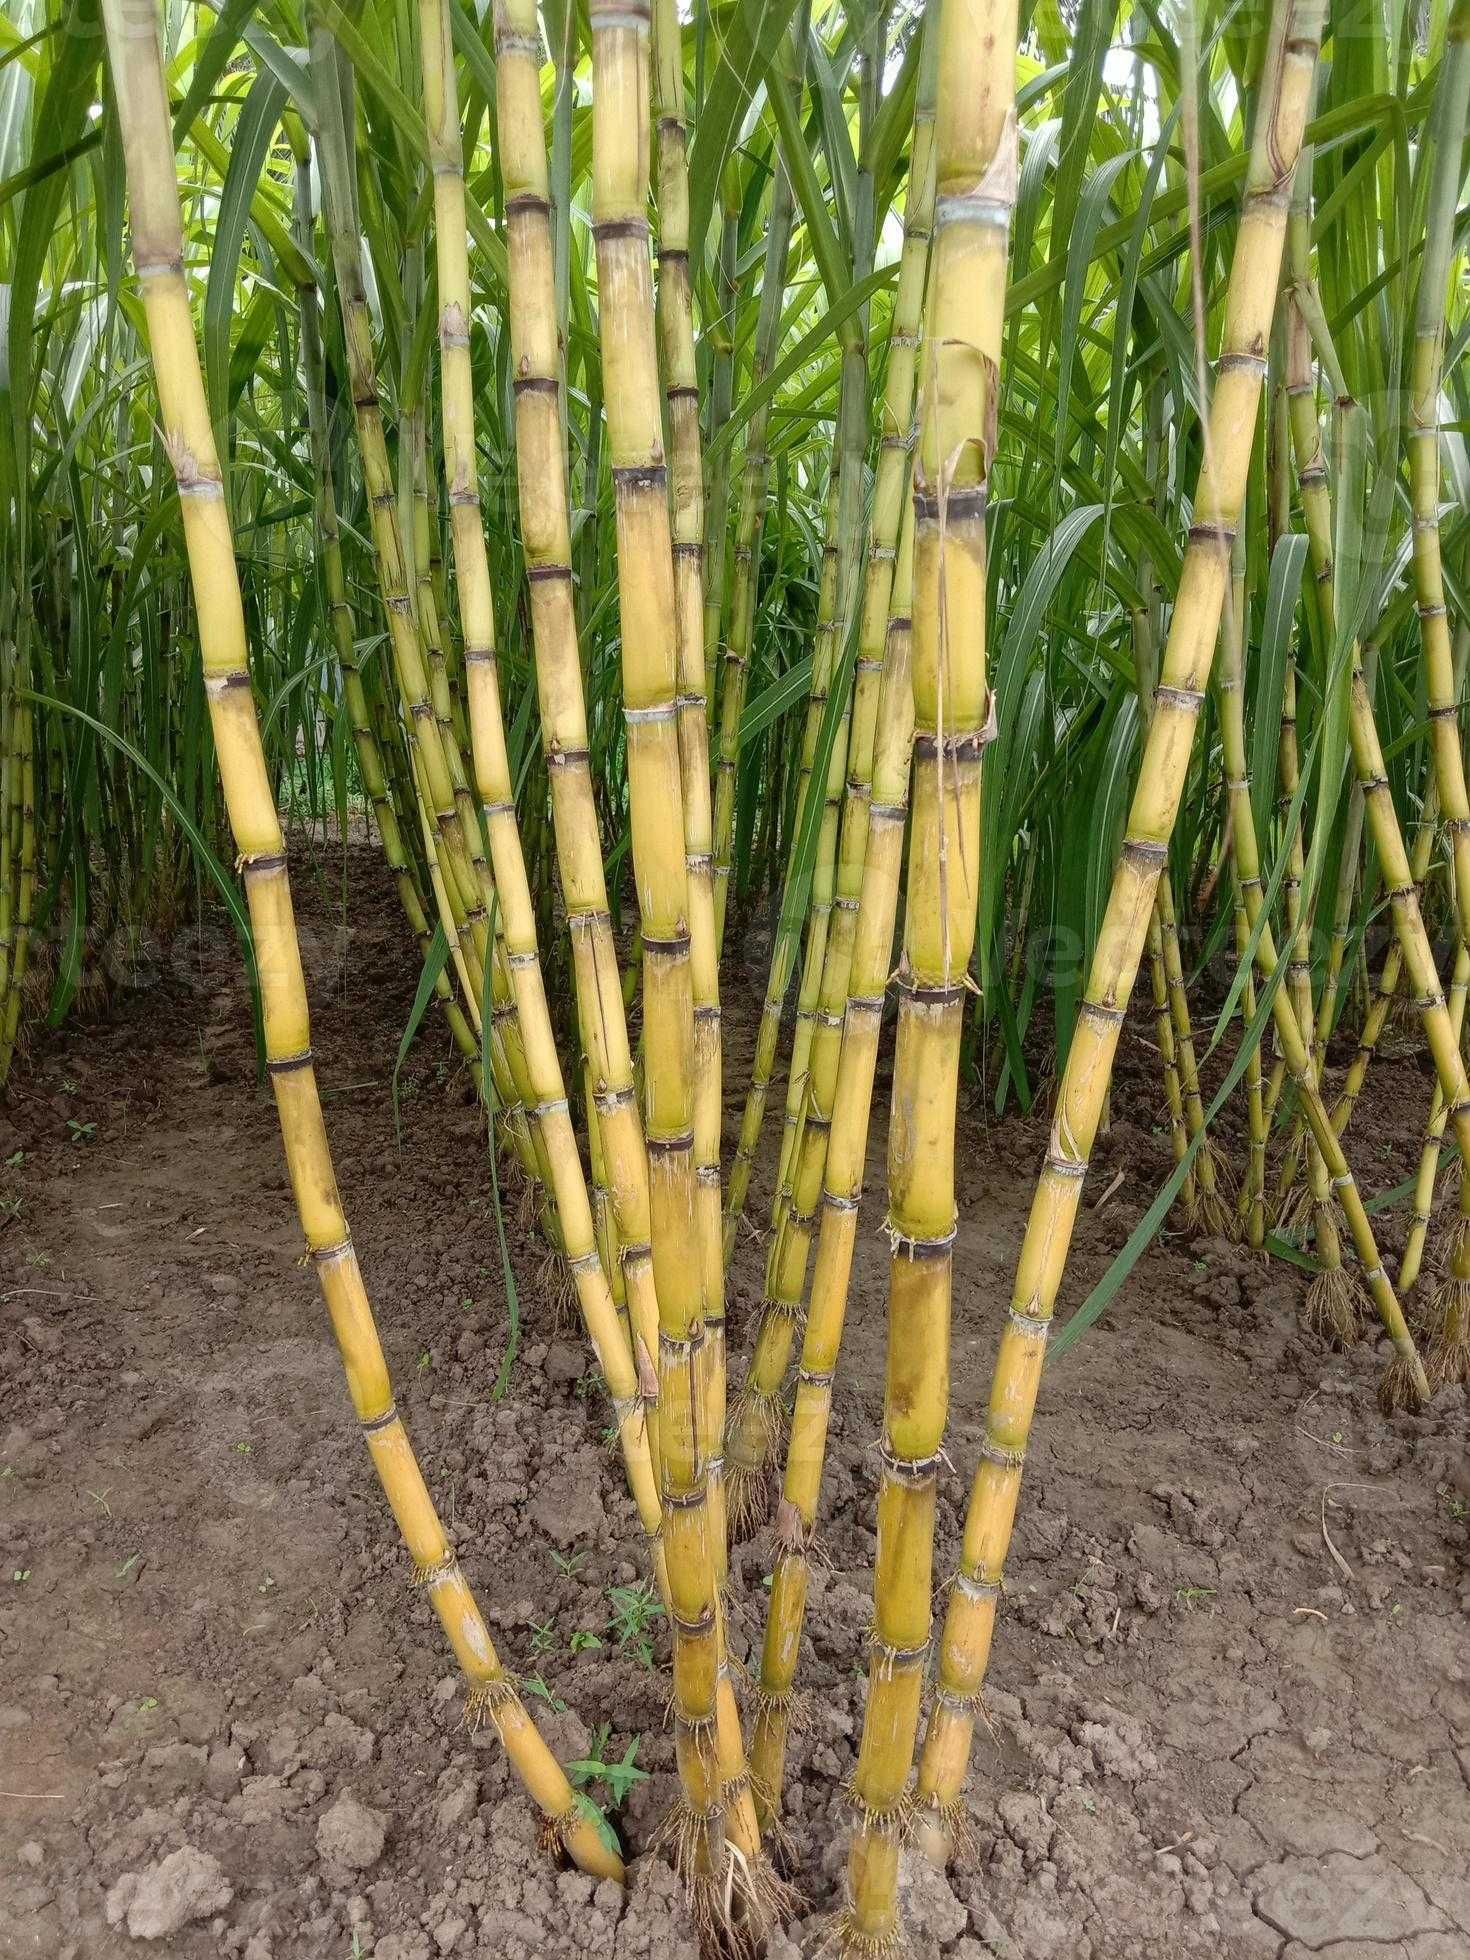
{"points": [[675, 323], [1284, 98], [845, 1159], [142, 107], [758, 1418], [1449, 1355], [546, 542], [715, 1835], [976, 181], [493, 774]]}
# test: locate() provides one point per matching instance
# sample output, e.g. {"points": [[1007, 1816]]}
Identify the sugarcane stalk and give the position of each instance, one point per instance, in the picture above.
{"points": [[1230, 686], [1449, 1354], [1334, 1302], [1283, 105], [789, 921], [719, 329], [1200, 1194], [675, 323], [142, 108], [21, 807], [1423, 438], [1427, 1173], [1450, 1334], [831, 906], [1207, 1205], [976, 182], [451, 833], [1169, 1062], [339, 611], [844, 1163], [749, 529], [758, 1418], [546, 542], [494, 783], [726, 1875]]}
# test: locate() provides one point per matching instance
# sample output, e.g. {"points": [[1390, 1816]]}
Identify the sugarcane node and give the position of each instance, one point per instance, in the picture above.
{"points": [[1103, 1012], [1187, 698], [962, 747], [692, 1627], [1222, 536], [912, 1473], [433, 1572], [905, 1245], [1071, 1169], [886, 1820], [511, 40], [844, 1934], [484, 1699], [1147, 852], [957, 505], [288, 1064]]}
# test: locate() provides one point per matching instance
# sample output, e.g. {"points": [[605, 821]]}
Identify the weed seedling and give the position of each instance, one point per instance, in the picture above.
{"points": [[634, 1610]]}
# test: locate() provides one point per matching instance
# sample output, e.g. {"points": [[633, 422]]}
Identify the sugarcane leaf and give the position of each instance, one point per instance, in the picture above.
{"points": [[1283, 592], [203, 854], [435, 958], [254, 128], [749, 39], [1141, 1237]]}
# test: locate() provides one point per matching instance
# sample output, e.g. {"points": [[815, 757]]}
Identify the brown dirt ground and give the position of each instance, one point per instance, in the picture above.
{"points": [[1229, 1710]]}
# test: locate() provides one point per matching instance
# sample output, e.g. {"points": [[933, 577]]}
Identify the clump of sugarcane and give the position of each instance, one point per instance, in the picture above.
{"points": [[1230, 686], [735, 655], [675, 320], [1386, 990], [806, 903], [1334, 1304], [714, 1833], [758, 1417], [547, 547], [840, 838], [550, 1109], [141, 101], [845, 1159], [1449, 1353], [1204, 1195], [1209, 1202], [1447, 1317], [958, 417], [17, 840], [371, 769], [1283, 105], [449, 825]]}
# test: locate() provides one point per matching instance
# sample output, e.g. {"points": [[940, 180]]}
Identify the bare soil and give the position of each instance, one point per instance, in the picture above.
{"points": [[1229, 1711]]}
